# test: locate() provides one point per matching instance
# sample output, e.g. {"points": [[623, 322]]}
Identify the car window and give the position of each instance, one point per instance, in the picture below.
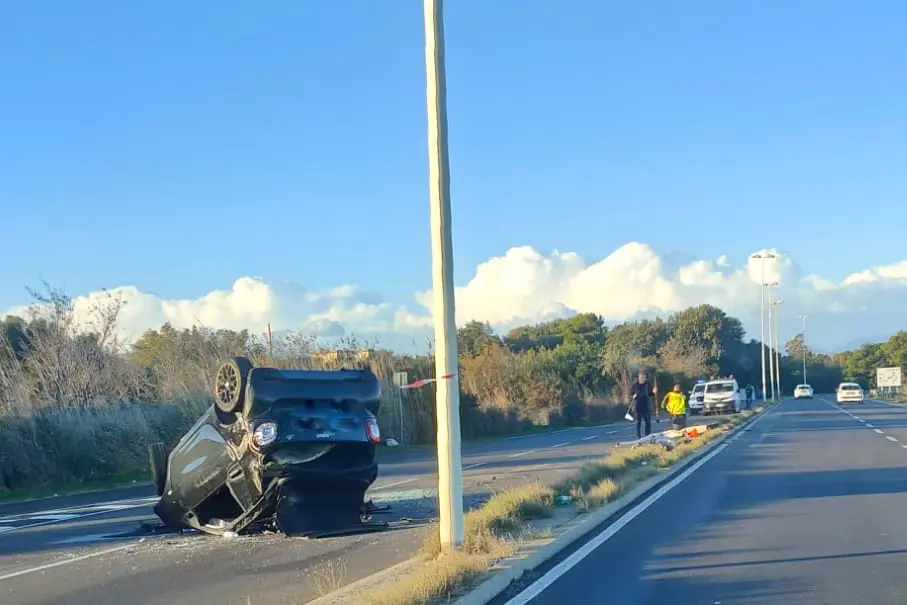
{"points": [[850, 387], [699, 388], [720, 387]]}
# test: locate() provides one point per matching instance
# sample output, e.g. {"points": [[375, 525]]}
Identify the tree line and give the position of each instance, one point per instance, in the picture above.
{"points": [[59, 378]]}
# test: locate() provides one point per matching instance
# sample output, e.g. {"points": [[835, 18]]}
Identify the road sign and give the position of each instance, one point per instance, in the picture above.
{"points": [[888, 378], [400, 379]]}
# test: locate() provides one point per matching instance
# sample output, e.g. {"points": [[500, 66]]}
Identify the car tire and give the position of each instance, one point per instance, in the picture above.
{"points": [[159, 456], [230, 383]]}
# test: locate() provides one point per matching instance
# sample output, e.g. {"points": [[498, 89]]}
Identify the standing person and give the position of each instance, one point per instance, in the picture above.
{"points": [[675, 404], [641, 396], [749, 395]]}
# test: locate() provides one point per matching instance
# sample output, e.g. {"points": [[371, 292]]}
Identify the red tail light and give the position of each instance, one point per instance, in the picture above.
{"points": [[372, 430]]}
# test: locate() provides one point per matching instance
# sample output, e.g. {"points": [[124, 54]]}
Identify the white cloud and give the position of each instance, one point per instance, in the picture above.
{"points": [[525, 285]]}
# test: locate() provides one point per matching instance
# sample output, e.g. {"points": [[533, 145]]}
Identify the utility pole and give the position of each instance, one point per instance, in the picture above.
{"points": [[771, 353], [803, 343], [777, 303], [762, 256], [447, 401]]}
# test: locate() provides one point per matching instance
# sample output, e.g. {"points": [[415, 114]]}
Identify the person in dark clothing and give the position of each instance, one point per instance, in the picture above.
{"points": [[642, 394]]}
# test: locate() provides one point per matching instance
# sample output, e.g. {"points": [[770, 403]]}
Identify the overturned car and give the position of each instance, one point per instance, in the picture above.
{"points": [[295, 448]]}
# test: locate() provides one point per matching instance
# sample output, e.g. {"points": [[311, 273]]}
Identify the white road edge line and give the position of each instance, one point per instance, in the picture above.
{"points": [[890, 438], [518, 454], [46, 566], [394, 484], [880, 432], [476, 465], [561, 444], [589, 437], [539, 586]]}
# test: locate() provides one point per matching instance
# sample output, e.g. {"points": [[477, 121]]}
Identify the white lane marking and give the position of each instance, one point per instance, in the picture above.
{"points": [[57, 518], [476, 465], [561, 444], [537, 587], [904, 446], [869, 426], [573, 428], [84, 508], [394, 484], [589, 437], [517, 455], [46, 566], [612, 432], [892, 439], [880, 432]]}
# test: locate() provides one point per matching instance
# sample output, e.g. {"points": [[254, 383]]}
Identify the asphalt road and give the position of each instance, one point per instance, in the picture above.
{"points": [[71, 551], [806, 506]]}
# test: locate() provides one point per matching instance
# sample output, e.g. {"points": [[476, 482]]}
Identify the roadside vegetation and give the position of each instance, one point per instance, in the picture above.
{"points": [[79, 406]]}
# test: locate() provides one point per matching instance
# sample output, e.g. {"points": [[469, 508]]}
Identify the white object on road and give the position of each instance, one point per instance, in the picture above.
{"points": [[803, 391], [849, 391], [391, 443]]}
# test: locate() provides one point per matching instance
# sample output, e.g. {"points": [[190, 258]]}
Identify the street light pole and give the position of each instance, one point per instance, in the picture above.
{"points": [[762, 257], [803, 343], [777, 303], [771, 354], [447, 400]]}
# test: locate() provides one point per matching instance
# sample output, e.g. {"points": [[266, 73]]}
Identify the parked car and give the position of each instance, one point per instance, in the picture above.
{"points": [[849, 392], [803, 391], [720, 396], [694, 402], [295, 447]]}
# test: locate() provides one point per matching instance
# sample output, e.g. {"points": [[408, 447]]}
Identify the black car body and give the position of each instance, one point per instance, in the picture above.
{"points": [[293, 446]]}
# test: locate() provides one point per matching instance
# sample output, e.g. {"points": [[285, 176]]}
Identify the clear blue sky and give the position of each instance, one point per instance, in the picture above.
{"points": [[179, 145]]}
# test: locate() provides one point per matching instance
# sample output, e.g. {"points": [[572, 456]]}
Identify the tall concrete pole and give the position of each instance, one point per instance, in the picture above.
{"points": [[771, 354], [450, 466], [762, 257]]}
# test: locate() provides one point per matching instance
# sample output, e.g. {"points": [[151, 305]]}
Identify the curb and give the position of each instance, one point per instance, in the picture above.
{"points": [[500, 581]]}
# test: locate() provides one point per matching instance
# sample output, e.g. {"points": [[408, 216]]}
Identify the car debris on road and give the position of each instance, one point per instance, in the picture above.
{"points": [[668, 439], [293, 450]]}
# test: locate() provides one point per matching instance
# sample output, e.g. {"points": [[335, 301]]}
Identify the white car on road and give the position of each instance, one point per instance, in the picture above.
{"points": [[721, 396], [849, 392], [803, 391]]}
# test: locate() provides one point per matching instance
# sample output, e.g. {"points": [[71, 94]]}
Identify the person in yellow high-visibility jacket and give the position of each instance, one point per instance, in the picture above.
{"points": [[675, 404]]}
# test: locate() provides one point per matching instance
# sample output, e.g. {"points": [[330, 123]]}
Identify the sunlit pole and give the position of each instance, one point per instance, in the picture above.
{"points": [[803, 343], [762, 257], [777, 303], [771, 340], [450, 480]]}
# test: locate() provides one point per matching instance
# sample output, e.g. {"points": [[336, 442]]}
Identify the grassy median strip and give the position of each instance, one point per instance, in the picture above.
{"points": [[500, 527]]}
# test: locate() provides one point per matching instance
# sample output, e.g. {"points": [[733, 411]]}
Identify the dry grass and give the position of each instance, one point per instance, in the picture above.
{"points": [[329, 577], [79, 407], [498, 529]]}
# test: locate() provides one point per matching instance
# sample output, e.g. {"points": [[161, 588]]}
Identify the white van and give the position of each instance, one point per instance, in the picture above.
{"points": [[721, 396]]}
